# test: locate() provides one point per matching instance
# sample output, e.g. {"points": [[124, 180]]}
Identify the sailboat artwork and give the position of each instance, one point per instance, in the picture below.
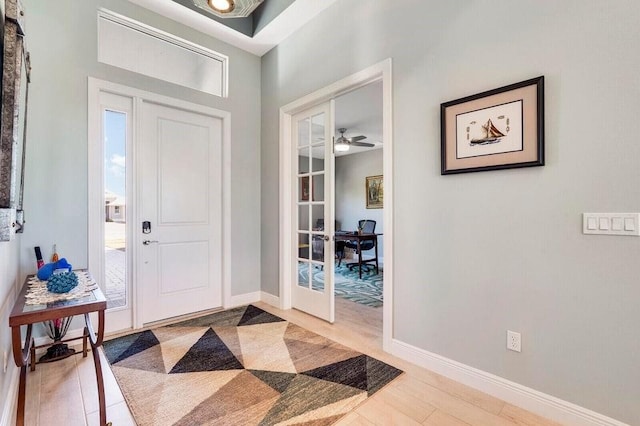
{"points": [[491, 135], [497, 129], [489, 131]]}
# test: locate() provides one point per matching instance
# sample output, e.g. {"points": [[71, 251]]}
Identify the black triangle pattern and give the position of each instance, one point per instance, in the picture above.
{"points": [[379, 374], [305, 394], [209, 353], [254, 315], [350, 372], [142, 342], [277, 380]]}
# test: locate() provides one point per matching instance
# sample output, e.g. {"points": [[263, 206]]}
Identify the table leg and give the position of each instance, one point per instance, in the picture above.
{"points": [[32, 362], [84, 343], [96, 341], [21, 356], [21, 392], [376, 246], [359, 258]]}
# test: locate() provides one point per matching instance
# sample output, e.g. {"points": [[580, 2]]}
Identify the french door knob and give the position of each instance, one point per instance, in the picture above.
{"points": [[147, 242]]}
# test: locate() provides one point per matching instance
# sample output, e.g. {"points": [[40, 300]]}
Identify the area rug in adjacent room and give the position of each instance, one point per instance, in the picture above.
{"points": [[243, 366], [348, 284]]}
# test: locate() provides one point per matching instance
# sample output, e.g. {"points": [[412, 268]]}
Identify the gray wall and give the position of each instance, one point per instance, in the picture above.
{"points": [[62, 38], [351, 202], [504, 250]]}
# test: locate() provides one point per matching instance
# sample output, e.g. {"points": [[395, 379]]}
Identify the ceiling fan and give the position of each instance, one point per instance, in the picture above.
{"points": [[343, 144]]}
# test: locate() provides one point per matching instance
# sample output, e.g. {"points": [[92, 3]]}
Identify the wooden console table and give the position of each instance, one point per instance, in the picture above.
{"points": [[27, 315]]}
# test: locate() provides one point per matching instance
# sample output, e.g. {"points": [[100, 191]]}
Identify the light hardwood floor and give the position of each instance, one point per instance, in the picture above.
{"points": [[64, 393]]}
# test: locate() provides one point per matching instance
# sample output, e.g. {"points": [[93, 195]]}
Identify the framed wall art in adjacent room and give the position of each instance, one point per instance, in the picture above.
{"points": [[375, 192], [304, 188], [499, 129]]}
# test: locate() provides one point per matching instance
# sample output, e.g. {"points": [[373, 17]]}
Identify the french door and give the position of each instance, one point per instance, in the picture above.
{"points": [[314, 223]]}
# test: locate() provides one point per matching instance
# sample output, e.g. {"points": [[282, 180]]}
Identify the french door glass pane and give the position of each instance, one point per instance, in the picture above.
{"points": [[310, 199], [303, 246], [115, 177], [303, 160], [303, 132], [317, 186], [303, 274]]}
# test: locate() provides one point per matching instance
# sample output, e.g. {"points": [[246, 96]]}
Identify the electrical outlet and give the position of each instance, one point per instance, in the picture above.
{"points": [[514, 341]]}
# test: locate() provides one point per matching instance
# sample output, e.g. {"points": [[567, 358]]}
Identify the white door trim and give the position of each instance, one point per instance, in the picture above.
{"points": [[380, 71], [95, 171]]}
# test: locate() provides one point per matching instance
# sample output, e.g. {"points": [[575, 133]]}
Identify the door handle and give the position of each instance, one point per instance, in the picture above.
{"points": [[147, 242], [326, 238]]}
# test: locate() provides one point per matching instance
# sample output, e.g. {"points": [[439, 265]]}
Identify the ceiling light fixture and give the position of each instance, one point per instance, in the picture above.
{"points": [[341, 145], [222, 6]]}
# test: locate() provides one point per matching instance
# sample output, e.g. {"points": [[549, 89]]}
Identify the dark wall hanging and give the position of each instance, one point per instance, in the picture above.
{"points": [[499, 129]]}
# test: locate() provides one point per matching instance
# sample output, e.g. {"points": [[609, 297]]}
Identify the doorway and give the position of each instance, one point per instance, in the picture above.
{"points": [[359, 204], [288, 247], [164, 217]]}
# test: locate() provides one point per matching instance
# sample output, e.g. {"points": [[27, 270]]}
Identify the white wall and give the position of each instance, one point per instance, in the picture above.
{"points": [[351, 203], [505, 248], [10, 284], [62, 38]]}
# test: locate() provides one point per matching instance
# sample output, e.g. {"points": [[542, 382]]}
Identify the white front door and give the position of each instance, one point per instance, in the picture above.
{"points": [[180, 212], [313, 245]]}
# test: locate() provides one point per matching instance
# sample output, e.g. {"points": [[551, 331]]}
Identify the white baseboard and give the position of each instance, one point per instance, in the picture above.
{"points": [[11, 403], [270, 299], [530, 399], [243, 299]]}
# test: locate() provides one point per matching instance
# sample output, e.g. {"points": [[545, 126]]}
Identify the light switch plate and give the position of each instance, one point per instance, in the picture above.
{"points": [[611, 223]]}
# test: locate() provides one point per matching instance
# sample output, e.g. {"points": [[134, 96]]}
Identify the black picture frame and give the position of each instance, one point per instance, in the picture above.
{"points": [[472, 142]]}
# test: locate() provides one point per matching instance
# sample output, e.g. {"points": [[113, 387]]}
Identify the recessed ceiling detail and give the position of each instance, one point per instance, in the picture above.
{"points": [[241, 8], [269, 24]]}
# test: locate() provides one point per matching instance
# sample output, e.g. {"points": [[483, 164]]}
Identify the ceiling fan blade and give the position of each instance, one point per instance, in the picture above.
{"points": [[362, 144], [357, 138]]}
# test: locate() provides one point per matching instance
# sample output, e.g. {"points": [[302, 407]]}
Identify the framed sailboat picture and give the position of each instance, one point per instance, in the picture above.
{"points": [[499, 129]]}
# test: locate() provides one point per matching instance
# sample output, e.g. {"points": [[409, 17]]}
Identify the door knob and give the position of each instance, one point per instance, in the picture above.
{"points": [[326, 238], [147, 242]]}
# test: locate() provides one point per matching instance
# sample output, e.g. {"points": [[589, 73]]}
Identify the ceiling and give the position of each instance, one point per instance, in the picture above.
{"points": [[359, 111], [271, 23]]}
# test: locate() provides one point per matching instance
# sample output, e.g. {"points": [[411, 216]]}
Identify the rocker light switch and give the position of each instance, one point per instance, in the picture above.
{"points": [[629, 224], [616, 224], [604, 223], [611, 223]]}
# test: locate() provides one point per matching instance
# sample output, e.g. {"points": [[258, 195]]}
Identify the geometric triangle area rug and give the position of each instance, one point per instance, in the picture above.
{"points": [[243, 366]]}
